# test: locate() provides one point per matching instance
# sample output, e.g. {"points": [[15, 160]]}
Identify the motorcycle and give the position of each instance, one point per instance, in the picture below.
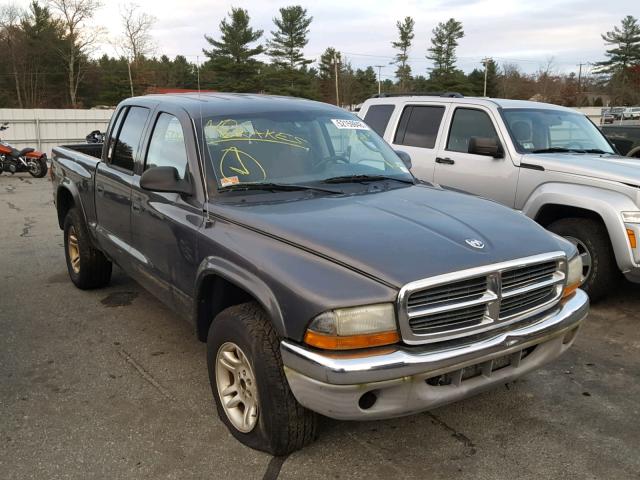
{"points": [[29, 160], [95, 137]]}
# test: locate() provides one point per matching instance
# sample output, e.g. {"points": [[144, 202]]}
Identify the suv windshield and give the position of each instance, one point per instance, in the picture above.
{"points": [[539, 131], [297, 148]]}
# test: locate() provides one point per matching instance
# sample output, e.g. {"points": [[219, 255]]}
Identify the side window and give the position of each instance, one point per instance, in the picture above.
{"points": [[113, 131], [467, 123], [378, 116], [419, 125], [129, 138], [167, 147]]}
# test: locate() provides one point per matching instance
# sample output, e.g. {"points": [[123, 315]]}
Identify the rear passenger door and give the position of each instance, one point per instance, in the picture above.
{"points": [[114, 178], [455, 167], [165, 225], [417, 132]]}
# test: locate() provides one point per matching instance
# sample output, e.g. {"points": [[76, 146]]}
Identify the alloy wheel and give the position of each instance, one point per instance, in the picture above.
{"points": [[237, 387], [73, 249], [585, 255]]}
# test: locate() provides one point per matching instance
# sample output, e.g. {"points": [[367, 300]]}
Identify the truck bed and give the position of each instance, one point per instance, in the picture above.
{"points": [[79, 163]]}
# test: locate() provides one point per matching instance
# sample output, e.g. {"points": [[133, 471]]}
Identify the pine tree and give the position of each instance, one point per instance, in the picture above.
{"points": [[626, 47], [231, 60], [405, 37], [287, 42], [443, 50]]}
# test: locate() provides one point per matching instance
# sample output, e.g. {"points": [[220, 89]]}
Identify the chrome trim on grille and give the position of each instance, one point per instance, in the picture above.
{"points": [[530, 289]]}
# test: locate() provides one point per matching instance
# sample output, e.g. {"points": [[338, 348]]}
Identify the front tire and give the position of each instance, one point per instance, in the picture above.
{"points": [[601, 274], [249, 386], [88, 267]]}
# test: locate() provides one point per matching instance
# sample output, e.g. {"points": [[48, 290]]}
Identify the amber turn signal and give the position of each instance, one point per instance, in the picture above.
{"points": [[350, 342], [632, 238]]}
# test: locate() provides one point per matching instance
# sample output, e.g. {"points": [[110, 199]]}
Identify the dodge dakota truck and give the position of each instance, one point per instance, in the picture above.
{"points": [[550, 162], [322, 276]]}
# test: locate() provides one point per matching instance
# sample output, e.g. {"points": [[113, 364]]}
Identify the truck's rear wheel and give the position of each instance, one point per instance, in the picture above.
{"points": [[600, 271], [88, 267], [251, 392]]}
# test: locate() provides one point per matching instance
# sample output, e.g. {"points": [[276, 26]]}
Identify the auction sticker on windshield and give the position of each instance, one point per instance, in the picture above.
{"points": [[350, 124]]}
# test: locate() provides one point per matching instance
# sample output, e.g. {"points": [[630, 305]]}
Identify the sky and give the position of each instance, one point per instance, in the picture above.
{"points": [[528, 33]]}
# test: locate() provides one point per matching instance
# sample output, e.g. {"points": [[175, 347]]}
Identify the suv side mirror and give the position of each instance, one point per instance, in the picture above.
{"points": [[488, 146], [164, 179], [405, 157]]}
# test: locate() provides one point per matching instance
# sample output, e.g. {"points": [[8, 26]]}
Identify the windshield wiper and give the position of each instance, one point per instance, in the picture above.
{"points": [[365, 178], [597, 150], [281, 187], [554, 150]]}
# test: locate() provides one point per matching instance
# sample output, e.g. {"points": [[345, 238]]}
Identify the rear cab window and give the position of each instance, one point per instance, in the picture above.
{"points": [[377, 117], [127, 137], [419, 126]]}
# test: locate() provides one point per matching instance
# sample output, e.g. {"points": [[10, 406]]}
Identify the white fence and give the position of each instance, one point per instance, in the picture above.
{"points": [[46, 128]]}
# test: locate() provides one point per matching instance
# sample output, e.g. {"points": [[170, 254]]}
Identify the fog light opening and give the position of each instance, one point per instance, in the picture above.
{"points": [[569, 336], [367, 400]]}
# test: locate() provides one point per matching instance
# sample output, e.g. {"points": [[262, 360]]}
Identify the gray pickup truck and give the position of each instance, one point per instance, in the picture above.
{"points": [[552, 163], [323, 277]]}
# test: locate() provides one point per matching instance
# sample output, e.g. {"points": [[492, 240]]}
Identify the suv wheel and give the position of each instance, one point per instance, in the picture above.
{"points": [[249, 386], [600, 273]]}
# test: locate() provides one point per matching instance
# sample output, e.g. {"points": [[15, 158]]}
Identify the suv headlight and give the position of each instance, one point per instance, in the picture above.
{"points": [[574, 276], [357, 327]]}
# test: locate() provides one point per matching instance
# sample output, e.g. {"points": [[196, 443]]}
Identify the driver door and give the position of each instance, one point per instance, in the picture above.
{"points": [[456, 168]]}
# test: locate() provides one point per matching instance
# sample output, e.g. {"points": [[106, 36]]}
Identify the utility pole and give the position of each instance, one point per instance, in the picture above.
{"points": [[485, 62], [379, 67], [580, 83], [335, 63]]}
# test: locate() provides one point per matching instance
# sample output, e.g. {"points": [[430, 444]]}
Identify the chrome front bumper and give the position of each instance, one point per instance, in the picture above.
{"points": [[333, 384]]}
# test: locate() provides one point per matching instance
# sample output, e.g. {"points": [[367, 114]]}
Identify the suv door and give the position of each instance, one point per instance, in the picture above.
{"points": [[165, 225], [455, 167], [417, 132], [114, 177]]}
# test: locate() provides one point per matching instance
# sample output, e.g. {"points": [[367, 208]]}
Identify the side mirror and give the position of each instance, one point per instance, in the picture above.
{"points": [[488, 146], [405, 157], [164, 179]]}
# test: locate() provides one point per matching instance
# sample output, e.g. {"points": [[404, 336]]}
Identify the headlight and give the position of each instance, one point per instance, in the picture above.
{"points": [[357, 327], [574, 276]]}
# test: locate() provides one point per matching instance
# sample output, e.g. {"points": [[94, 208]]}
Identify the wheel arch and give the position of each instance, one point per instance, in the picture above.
{"points": [[221, 284], [553, 201], [65, 201]]}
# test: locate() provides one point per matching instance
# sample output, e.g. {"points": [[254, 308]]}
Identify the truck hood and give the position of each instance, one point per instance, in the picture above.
{"points": [[399, 235], [607, 167]]}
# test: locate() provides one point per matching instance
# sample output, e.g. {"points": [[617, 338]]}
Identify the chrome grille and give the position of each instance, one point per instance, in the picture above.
{"points": [[479, 299]]}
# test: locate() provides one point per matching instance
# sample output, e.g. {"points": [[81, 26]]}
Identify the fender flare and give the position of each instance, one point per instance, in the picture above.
{"points": [[69, 186], [245, 280], [605, 203]]}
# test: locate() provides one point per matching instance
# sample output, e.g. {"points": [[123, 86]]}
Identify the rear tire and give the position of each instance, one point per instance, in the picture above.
{"points": [[282, 425], [592, 236], [88, 267], [42, 168]]}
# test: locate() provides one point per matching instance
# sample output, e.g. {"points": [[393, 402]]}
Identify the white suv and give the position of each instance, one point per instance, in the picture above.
{"points": [[550, 162]]}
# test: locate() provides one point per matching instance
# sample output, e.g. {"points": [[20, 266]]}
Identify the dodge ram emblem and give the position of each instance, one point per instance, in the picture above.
{"points": [[475, 243]]}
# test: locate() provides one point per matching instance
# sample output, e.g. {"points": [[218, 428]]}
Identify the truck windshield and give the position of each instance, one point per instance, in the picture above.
{"points": [[539, 131], [297, 148]]}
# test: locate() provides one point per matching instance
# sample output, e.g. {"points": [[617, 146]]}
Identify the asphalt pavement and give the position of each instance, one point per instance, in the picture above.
{"points": [[110, 384]]}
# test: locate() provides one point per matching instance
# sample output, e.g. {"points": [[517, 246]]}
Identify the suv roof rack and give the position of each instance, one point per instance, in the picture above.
{"points": [[420, 94]]}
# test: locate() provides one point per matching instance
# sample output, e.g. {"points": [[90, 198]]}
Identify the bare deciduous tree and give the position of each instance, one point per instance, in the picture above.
{"points": [[81, 38], [136, 26]]}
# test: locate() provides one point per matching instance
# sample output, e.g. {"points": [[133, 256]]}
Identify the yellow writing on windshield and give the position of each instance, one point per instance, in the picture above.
{"points": [[235, 162], [232, 131]]}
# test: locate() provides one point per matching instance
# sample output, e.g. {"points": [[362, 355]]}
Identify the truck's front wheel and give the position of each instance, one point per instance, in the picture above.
{"points": [[87, 266], [249, 386], [600, 271]]}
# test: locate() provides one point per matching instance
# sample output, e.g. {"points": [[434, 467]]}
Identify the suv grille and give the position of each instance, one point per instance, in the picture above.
{"points": [[468, 302]]}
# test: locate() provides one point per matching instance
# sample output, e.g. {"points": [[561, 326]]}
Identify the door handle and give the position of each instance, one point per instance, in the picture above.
{"points": [[100, 188], [445, 160]]}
